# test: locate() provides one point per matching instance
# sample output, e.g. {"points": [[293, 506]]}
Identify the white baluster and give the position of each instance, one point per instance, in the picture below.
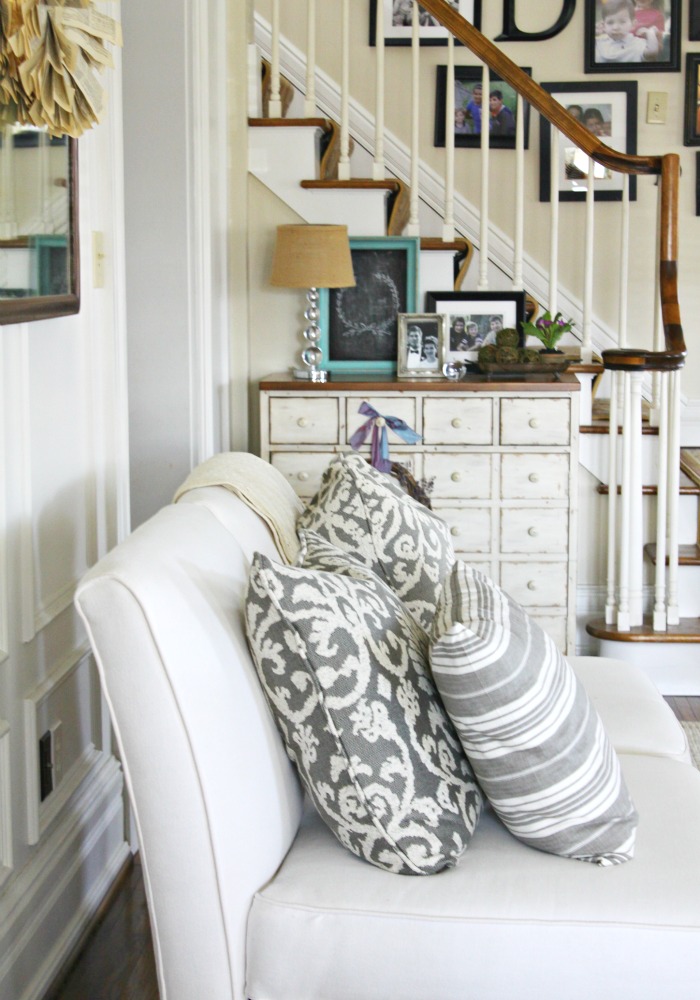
{"points": [[659, 340], [611, 603], [519, 195], [413, 227], [624, 260], [586, 351], [275, 106], [623, 611], [554, 224], [636, 526], [310, 99], [344, 161], [378, 168], [448, 226], [483, 282], [674, 465], [661, 511]]}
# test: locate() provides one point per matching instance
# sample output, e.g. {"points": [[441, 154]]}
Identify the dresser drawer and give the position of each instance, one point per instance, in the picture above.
{"points": [[470, 528], [535, 421], [535, 584], [532, 529], [529, 475], [465, 475], [555, 626], [403, 407], [468, 420], [302, 470], [304, 420]]}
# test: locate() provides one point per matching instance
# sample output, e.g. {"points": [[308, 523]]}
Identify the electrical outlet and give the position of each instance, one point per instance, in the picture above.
{"points": [[45, 766], [657, 107], [57, 752]]}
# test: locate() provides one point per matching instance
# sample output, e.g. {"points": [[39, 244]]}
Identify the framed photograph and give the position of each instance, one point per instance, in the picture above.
{"points": [[609, 110], [500, 109], [697, 183], [473, 319], [632, 36], [359, 326], [691, 135], [398, 22], [694, 20], [421, 345]]}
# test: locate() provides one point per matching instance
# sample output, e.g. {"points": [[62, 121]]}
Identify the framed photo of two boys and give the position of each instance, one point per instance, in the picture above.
{"points": [[632, 36]]}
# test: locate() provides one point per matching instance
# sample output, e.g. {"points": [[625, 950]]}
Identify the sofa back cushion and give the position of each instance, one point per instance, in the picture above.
{"points": [[366, 513], [344, 667], [535, 741]]}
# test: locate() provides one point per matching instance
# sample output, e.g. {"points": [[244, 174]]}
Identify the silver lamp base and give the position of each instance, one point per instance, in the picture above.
{"points": [[311, 374]]}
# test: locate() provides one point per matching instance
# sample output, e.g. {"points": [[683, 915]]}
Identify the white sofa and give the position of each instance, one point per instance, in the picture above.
{"points": [[250, 896]]}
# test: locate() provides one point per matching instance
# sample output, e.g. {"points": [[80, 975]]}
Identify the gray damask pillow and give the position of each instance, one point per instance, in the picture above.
{"points": [[533, 738], [344, 668], [366, 513]]}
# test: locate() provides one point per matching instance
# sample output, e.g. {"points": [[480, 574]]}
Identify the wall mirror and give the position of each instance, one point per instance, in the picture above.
{"points": [[39, 247]]}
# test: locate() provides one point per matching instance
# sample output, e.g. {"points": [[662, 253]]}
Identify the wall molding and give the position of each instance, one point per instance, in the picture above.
{"points": [[5, 804], [86, 839], [41, 814]]}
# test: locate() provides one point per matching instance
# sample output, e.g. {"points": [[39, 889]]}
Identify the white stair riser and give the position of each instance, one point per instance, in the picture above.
{"points": [[674, 667], [282, 157], [689, 595], [593, 455]]}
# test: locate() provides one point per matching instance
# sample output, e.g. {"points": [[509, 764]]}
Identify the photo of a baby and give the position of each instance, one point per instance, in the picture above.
{"points": [[639, 33]]}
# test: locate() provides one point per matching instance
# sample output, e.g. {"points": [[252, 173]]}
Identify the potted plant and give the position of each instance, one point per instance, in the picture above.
{"points": [[548, 330]]}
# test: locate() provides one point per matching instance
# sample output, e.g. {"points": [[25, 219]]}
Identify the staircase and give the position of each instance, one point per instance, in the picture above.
{"points": [[297, 154]]}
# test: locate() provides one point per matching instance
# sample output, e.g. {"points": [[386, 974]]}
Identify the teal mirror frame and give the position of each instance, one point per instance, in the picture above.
{"points": [[405, 250], [36, 307]]}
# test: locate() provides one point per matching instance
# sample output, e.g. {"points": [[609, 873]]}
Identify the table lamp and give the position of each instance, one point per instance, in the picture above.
{"points": [[312, 257]]}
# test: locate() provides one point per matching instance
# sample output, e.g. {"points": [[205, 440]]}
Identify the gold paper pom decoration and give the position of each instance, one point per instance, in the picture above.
{"points": [[50, 54]]}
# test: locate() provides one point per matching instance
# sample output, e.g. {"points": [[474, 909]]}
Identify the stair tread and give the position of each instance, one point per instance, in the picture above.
{"points": [[687, 630], [388, 184], [688, 555], [686, 487], [323, 123], [690, 463]]}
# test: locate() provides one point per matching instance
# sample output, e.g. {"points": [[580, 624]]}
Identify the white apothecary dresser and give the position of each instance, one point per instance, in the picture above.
{"points": [[503, 457]]}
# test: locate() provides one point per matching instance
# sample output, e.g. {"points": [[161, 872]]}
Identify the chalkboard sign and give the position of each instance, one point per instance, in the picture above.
{"points": [[360, 325]]}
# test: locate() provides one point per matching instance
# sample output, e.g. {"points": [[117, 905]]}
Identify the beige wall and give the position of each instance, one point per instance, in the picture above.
{"points": [[556, 59]]}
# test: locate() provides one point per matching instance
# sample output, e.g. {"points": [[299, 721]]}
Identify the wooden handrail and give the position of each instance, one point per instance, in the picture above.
{"points": [[667, 167]]}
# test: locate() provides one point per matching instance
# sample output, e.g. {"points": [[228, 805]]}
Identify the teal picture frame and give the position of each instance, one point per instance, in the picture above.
{"points": [[359, 325]]}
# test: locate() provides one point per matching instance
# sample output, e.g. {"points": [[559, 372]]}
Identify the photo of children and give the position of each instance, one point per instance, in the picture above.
{"points": [[469, 333], [475, 111], [633, 31], [402, 14], [397, 21]]}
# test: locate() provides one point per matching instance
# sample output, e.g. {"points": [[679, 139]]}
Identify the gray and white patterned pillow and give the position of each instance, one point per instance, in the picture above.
{"points": [[366, 513], [345, 671], [533, 738]]}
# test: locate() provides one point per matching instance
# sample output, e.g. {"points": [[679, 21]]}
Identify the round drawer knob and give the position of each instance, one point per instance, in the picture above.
{"points": [[302, 477], [456, 422], [533, 477], [303, 422], [531, 585], [532, 532], [534, 422], [456, 477], [454, 530]]}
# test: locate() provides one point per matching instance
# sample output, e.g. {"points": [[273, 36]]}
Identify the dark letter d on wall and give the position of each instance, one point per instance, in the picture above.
{"points": [[512, 33]]}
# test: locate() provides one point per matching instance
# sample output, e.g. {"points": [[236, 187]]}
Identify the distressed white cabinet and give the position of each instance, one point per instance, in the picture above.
{"points": [[501, 456]]}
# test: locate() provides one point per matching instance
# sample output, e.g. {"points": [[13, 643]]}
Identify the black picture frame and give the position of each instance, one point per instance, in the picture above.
{"points": [[616, 105], [604, 55], [359, 325], [694, 20], [478, 308], [691, 130], [429, 35], [466, 77]]}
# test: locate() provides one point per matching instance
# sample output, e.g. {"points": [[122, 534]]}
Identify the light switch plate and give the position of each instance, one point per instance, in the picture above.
{"points": [[657, 107]]}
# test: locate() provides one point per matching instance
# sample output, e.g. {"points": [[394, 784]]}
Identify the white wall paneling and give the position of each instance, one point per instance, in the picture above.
{"points": [[4, 579], [65, 697], [5, 803]]}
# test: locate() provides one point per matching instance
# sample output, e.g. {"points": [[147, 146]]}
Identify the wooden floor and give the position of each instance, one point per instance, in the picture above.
{"points": [[117, 962]]}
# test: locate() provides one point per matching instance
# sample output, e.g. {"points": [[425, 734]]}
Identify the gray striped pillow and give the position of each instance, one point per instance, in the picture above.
{"points": [[534, 740]]}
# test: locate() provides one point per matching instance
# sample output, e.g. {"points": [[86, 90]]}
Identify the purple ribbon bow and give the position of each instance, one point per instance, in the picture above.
{"points": [[380, 444]]}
